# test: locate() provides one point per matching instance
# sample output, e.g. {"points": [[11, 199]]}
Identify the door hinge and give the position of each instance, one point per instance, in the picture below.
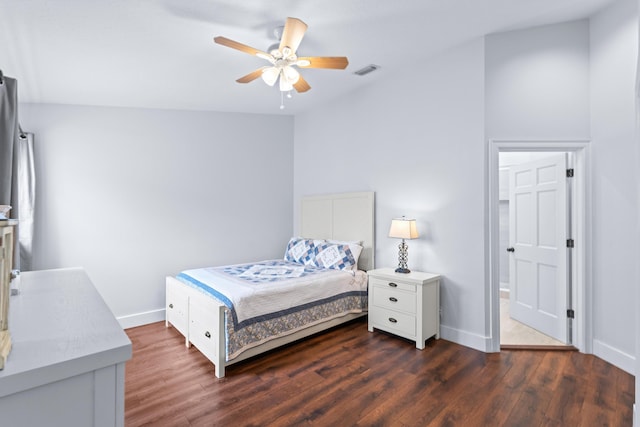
{"points": [[571, 314], [570, 173], [570, 243]]}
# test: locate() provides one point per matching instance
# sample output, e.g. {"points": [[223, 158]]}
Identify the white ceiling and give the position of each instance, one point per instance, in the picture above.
{"points": [[160, 53]]}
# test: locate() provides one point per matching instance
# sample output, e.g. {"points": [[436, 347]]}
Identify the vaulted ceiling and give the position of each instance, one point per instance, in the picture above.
{"points": [[160, 53]]}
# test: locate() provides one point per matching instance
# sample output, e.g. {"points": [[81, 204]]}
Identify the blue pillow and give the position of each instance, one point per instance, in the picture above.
{"points": [[301, 250]]}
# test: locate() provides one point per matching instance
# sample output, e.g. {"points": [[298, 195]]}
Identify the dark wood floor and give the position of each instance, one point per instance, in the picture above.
{"points": [[348, 377]]}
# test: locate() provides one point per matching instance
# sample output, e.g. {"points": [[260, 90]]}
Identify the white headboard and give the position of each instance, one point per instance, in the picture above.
{"points": [[343, 216]]}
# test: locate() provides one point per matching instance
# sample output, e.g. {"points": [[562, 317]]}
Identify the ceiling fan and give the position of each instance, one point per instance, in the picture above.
{"points": [[283, 59]]}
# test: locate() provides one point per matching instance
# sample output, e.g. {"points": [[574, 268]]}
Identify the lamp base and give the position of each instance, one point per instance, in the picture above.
{"points": [[402, 258]]}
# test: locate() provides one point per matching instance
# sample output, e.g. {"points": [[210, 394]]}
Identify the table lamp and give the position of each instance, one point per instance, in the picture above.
{"points": [[403, 228]]}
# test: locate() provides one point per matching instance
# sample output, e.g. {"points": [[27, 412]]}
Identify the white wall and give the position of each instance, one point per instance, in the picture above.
{"points": [[416, 139], [614, 49], [420, 148], [576, 81], [537, 89], [133, 195], [537, 83]]}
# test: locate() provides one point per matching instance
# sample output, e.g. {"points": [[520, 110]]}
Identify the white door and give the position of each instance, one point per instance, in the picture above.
{"points": [[538, 245]]}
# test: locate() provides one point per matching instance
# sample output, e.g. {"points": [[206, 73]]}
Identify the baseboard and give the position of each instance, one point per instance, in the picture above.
{"points": [[504, 292], [140, 319], [467, 339], [616, 357]]}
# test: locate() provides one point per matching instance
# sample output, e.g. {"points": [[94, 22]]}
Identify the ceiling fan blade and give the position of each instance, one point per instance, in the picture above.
{"points": [[292, 34], [251, 76], [335, 62], [239, 46], [301, 85]]}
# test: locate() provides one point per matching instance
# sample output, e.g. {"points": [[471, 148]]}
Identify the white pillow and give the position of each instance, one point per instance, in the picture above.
{"points": [[355, 246]]}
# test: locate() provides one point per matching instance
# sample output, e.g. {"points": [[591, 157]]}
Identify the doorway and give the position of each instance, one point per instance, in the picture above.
{"points": [[578, 212]]}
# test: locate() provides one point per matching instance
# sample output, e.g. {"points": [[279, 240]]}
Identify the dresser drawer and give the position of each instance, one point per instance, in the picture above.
{"points": [[390, 284], [394, 322], [394, 299]]}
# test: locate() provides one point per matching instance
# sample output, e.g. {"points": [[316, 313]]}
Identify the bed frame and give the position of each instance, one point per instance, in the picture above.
{"points": [[344, 216]]}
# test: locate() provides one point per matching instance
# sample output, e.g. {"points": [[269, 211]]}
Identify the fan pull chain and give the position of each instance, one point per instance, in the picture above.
{"points": [[282, 100]]}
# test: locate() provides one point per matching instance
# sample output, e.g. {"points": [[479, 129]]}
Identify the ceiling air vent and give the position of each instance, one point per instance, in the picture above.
{"points": [[366, 70]]}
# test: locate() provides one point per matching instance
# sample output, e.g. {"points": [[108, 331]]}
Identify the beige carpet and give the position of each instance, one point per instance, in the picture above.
{"points": [[513, 332]]}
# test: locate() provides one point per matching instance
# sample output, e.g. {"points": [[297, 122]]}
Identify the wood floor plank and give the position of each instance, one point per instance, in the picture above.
{"points": [[496, 366], [451, 382], [349, 376], [506, 395], [568, 400]]}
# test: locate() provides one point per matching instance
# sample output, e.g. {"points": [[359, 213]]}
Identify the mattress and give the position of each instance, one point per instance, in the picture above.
{"points": [[273, 298]]}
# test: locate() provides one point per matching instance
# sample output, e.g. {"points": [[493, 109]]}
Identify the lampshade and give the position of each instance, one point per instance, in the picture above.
{"points": [[403, 228], [270, 75], [290, 74], [285, 86]]}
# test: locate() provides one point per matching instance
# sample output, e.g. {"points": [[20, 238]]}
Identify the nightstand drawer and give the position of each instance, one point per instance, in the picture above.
{"points": [[395, 300], [392, 284], [393, 321]]}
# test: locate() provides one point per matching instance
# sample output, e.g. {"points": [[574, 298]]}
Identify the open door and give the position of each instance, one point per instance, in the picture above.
{"points": [[538, 245]]}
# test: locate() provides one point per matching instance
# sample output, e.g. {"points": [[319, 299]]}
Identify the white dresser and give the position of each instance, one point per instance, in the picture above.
{"points": [[407, 305], [66, 366]]}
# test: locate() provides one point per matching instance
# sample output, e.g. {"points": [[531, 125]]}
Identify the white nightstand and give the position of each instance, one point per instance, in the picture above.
{"points": [[407, 305]]}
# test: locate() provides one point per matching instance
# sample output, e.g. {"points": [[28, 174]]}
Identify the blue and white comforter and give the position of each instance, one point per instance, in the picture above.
{"points": [[266, 290]]}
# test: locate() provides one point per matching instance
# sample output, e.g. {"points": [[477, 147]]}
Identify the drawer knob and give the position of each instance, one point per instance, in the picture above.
{"points": [[392, 320], [207, 334], [393, 285], [170, 305], [393, 299]]}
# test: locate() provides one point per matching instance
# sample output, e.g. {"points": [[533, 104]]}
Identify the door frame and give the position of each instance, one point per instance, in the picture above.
{"points": [[581, 219]]}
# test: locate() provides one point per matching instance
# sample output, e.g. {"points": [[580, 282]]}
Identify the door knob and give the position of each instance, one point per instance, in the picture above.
{"points": [[511, 249]]}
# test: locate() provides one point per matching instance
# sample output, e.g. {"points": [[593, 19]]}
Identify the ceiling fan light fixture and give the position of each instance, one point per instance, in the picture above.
{"points": [[291, 75], [270, 75], [285, 86]]}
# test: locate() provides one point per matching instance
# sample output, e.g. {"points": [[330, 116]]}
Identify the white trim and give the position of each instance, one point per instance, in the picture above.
{"points": [[616, 357], [581, 233], [465, 338], [139, 319]]}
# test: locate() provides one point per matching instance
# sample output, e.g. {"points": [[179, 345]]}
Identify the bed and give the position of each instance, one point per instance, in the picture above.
{"points": [[228, 330]]}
